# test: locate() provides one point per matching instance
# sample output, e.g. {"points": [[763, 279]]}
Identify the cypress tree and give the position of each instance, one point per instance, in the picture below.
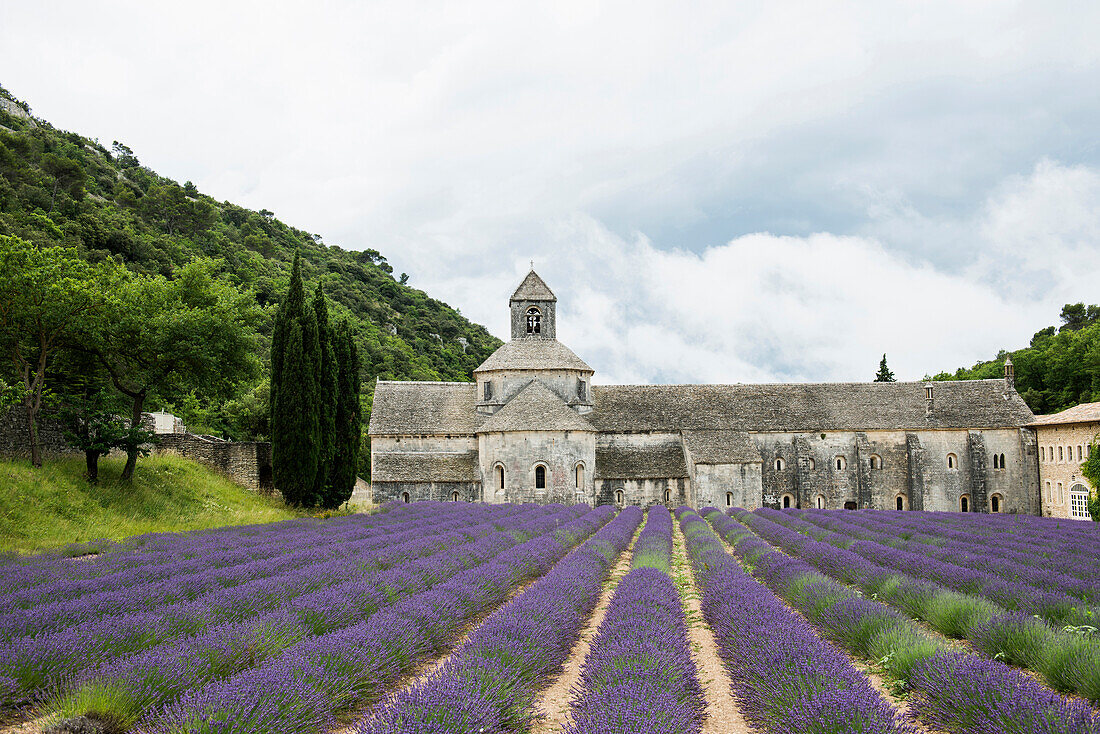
{"points": [[290, 311], [349, 422], [326, 396], [294, 454], [294, 393]]}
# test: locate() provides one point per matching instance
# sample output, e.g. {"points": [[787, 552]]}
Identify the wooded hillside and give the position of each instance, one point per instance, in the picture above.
{"points": [[59, 188], [1059, 369]]}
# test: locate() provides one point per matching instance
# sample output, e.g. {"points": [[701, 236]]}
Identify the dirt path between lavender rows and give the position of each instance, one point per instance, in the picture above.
{"points": [[723, 716], [553, 704]]}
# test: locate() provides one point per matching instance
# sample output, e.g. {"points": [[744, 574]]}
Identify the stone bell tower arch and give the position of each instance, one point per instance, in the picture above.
{"points": [[534, 309]]}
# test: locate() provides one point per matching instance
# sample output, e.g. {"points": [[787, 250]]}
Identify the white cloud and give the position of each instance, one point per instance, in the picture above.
{"points": [[929, 169]]}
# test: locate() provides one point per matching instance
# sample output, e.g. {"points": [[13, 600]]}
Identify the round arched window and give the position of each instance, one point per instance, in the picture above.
{"points": [[534, 321], [540, 477]]}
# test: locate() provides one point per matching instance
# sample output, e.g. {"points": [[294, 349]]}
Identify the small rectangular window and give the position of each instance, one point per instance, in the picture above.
{"points": [[582, 390], [488, 390]]}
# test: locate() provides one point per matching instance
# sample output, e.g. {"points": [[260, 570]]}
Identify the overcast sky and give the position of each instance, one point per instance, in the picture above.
{"points": [[774, 192]]}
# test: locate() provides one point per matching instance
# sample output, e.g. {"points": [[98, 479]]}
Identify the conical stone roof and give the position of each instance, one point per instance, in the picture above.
{"points": [[535, 408], [533, 288]]}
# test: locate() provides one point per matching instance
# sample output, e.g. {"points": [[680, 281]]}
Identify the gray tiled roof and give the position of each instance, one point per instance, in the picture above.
{"points": [[418, 407], [1083, 413], [533, 354], [721, 447], [861, 406], [403, 408], [641, 462], [533, 288], [420, 466], [535, 408]]}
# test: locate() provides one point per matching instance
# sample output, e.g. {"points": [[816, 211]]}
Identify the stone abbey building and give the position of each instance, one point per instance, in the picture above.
{"points": [[533, 428]]}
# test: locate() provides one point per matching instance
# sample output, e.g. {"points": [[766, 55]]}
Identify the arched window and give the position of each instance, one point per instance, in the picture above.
{"points": [[787, 501], [964, 503], [405, 497], [729, 499], [811, 464], [540, 477], [1043, 453], [534, 321], [580, 475], [840, 463], [668, 496], [876, 461], [1061, 454], [1050, 496], [995, 503], [821, 502], [1080, 452], [499, 469], [454, 496], [996, 462], [899, 503], [779, 465], [1061, 494], [619, 497], [1079, 502], [952, 461]]}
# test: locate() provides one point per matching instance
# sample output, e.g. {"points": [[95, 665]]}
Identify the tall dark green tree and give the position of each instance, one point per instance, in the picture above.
{"points": [[884, 374], [295, 414], [326, 394], [294, 436], [291, 311], [349, 422]]}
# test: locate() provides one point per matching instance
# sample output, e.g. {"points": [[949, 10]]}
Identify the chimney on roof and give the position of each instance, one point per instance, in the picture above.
{"points": [[1010, 373]]}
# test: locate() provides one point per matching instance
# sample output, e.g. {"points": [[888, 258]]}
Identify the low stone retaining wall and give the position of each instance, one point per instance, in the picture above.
{"points": [[246, 462]]}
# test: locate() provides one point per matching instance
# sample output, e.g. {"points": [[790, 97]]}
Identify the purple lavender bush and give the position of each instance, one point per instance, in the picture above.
{"points": [[496, 673]]}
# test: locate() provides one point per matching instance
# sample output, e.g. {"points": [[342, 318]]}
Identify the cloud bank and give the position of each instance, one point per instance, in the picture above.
{"points": [[755, 191]]}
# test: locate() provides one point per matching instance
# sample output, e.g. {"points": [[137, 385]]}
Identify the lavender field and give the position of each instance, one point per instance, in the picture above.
{"points": [[455, 618]]}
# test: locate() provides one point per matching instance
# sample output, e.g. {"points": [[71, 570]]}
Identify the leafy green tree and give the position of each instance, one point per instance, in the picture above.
{"points": [[164, 338], [67, 176], [348, 419], [884, 374], [46, 296], [327, 377]]}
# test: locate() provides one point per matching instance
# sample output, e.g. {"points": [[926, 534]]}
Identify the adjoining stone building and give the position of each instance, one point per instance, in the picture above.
{"points": [[533, 428], [1065, 442]]}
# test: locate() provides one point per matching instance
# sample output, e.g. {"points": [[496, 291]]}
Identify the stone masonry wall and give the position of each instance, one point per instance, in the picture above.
{"points": [[246, 462], [15, 435]]}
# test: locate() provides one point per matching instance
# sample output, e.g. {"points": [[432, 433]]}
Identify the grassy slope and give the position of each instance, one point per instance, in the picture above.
{"points": [[53, 506]]}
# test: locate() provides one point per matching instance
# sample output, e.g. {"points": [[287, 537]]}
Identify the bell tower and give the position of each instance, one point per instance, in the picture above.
{"points": [[534, 308]]}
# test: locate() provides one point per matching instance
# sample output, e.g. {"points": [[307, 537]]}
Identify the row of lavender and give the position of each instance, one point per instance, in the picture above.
{"points": [[51, 650], [490, 682], [951, 690], [355, 550], [127, 663], [1070, 546], [53, 575], [1076, 575], [305, 687], [1042, 590], [639, 675], [785, 678], [1068, 661]]}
